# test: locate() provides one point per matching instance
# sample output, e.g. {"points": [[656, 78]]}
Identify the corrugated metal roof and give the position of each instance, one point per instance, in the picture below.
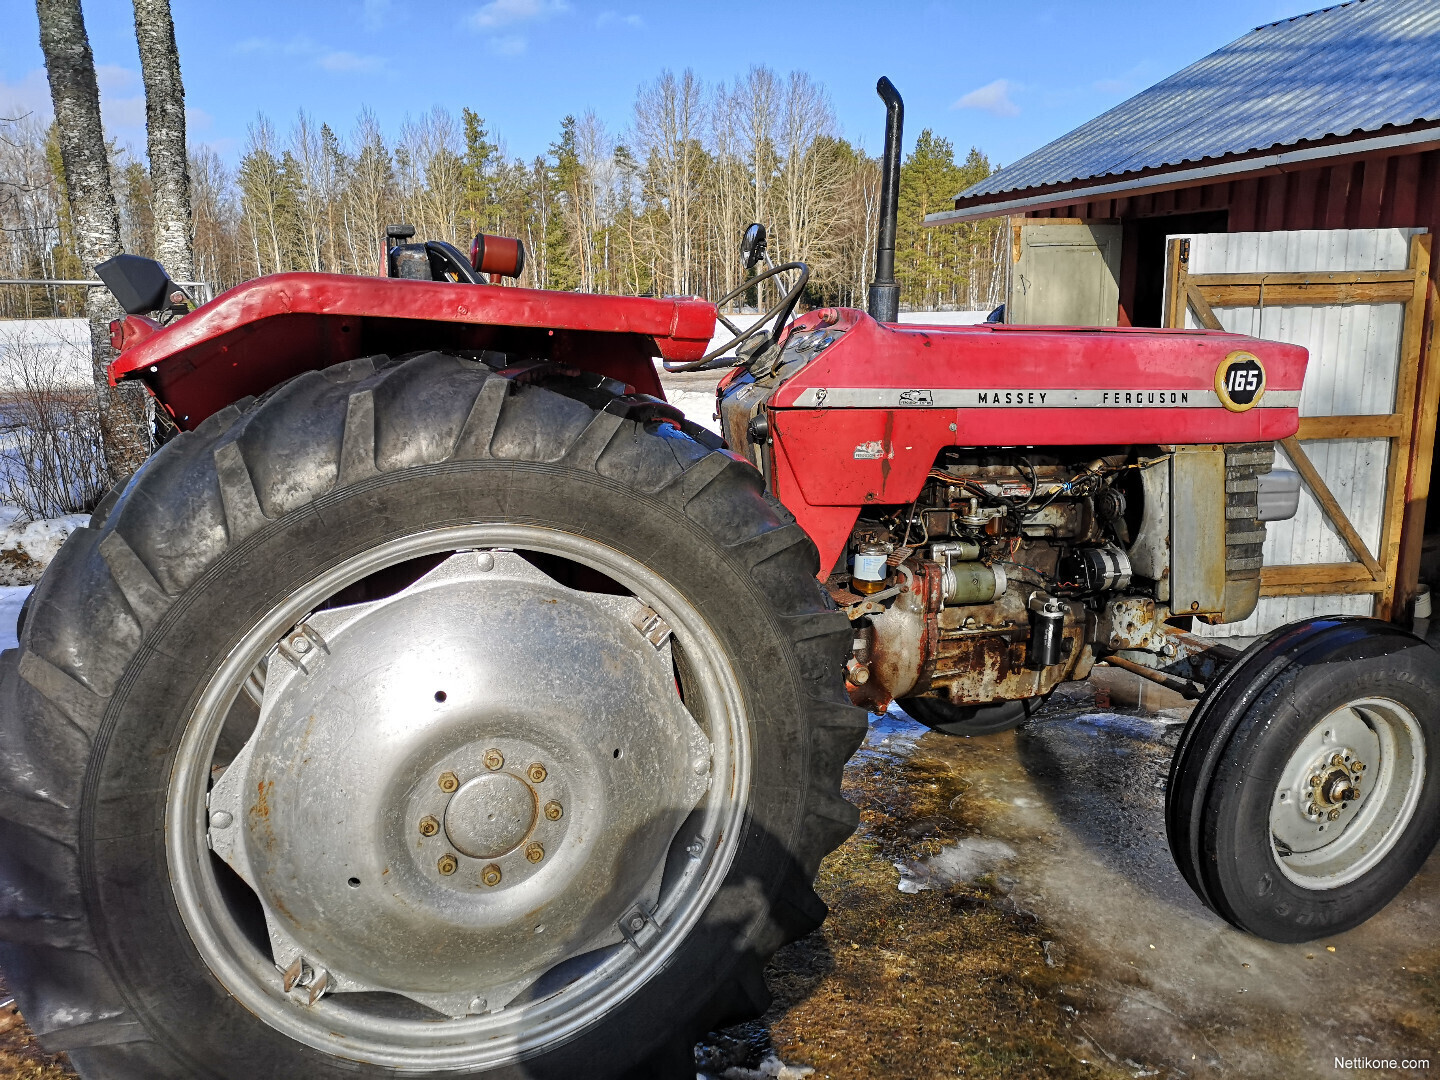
{"points": [[1356, 67]]}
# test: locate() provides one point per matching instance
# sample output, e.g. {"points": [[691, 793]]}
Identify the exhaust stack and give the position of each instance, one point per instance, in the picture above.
{"points": [[884, 300]]}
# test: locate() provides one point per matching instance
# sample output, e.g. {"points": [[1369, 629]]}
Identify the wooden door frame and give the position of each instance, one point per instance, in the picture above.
{"points": [[1391, 573]]}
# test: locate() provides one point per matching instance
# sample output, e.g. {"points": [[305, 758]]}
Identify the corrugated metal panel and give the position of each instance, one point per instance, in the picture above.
{"points": [[1354, 363], [1356, 67]]}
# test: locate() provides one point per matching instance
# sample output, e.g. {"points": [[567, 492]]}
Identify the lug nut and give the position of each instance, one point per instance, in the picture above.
{"points": [[449, 782], [494, 760], [447, 864], [1358, 766], [537, 773], [534, 852], [1316, 780], [553, 811], [1313, 810], [490, 875], [429, 826], [1336, 759]]}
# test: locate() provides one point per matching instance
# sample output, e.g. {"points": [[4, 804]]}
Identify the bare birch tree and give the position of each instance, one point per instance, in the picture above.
{"points": [[95, 219], [165, 137]]}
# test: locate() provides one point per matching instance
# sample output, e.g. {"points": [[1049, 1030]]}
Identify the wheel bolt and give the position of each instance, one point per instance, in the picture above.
{"points": [[1316, 780], [1333, 815], [1336, 759], [1313, 810], [1358, 766], [449, 782], [490, 875], [447, 864], [536, 773], [429, 826], [494, 760], [553, 811], [534, 852]]}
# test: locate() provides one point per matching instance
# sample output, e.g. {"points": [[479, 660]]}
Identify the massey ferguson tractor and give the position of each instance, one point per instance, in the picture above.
{"points": [[439, 701]]}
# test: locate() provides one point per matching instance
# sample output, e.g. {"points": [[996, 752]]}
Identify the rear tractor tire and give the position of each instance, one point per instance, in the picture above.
{"points": [[1303, 795], [409, 720]]}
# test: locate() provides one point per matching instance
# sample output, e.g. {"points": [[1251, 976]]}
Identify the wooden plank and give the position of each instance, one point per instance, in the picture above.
{"points": [[1322, 295], [1318, 277], [1422, 451], [1323, 588], [1333, 511], [1314, 574], [1397, 594], [1175, 298], [1202, 310], [1382, 426]]}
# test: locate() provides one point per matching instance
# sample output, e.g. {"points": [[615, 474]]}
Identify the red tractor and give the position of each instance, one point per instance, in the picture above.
{"points": [[439, 701]]}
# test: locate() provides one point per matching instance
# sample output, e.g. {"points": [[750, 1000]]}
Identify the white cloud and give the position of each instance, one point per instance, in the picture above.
{"points": [[501, 13], [28, 97], [342, 62], [614, 18], [509, 45], [114, 79], [993, 98]]}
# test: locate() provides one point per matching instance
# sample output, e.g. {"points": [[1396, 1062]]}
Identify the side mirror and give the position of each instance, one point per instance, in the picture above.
{"points": [[752, 246]]}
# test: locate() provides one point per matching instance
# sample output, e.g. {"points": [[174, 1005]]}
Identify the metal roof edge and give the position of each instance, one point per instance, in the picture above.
{"points": [[1184, 177]]}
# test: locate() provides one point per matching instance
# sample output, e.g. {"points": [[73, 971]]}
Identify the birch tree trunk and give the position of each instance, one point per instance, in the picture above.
{"points": [[94, 217], [165, 136]]}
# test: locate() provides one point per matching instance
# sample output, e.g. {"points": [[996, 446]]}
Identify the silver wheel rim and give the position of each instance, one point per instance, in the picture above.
{"points": [[1347, 793], [326, 1004]]}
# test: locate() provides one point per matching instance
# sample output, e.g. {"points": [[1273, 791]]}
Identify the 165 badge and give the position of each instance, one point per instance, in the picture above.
{"points": [[1240, 381]]}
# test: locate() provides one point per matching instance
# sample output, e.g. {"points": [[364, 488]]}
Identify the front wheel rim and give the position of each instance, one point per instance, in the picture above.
{"points": [[331, 1021], [1347, 793]]}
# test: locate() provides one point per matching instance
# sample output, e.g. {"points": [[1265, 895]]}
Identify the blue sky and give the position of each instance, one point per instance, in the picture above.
{"points": [[1006, 77]]}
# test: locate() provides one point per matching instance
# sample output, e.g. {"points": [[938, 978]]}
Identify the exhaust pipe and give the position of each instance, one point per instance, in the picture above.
{"points": [[884, 300]]}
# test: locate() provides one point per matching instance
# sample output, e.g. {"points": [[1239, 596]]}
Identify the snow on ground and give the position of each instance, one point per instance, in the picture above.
{"points": [[697, 405], [26, 547], [12, 598]]}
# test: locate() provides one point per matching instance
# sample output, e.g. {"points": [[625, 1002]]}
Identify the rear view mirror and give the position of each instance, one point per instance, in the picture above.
{"points": [[141, 285], [752, 246]]}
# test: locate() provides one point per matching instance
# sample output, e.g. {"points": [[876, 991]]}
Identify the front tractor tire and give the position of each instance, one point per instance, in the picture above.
{"points": [[1304, 793], [410, 720]]}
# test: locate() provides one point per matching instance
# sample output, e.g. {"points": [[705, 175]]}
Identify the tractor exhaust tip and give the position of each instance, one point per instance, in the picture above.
{"points": [[884, 300]]}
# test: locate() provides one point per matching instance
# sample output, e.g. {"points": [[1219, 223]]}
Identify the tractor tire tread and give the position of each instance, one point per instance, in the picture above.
{"points": [[243, 469]]}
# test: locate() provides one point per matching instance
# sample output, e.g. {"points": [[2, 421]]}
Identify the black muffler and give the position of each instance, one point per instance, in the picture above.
{"points": [[884, 302]]}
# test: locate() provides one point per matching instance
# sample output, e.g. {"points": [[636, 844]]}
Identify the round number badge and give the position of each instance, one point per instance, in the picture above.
{"points": [[1240, 381]]}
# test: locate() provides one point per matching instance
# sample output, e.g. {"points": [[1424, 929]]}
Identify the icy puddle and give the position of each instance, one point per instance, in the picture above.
{"points": [[1009, 908]]}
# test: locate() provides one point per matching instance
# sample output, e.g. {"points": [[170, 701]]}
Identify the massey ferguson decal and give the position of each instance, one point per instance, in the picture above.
{"points": [[1245, 373]]}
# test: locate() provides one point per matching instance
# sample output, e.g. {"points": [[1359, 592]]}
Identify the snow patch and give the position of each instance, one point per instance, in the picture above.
{"points": [[26, 547], [698, 407], [965, 861], [771, 1068], [12, 599]]}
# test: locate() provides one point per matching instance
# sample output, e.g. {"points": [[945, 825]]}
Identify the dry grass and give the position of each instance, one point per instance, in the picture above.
{"points": [[939, 983], [20, 1056]]}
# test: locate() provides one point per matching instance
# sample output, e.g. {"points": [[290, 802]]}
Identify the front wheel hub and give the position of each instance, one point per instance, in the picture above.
{"points": [[452, 790]]}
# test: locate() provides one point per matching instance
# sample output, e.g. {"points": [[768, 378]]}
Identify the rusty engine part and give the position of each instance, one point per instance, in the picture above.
{"points": [[1012, 570]]}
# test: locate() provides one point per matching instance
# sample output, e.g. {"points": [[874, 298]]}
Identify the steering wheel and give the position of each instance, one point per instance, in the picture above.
{"points": [[779, 311]]}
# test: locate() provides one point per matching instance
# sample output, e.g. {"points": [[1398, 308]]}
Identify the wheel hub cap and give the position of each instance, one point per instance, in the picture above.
{"points": [[491, 816], [451, 790], [1347, 793]]}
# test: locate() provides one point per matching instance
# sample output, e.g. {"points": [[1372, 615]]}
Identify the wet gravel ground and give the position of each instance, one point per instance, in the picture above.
{"points": [[1049, 843], [1008, 908]]}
